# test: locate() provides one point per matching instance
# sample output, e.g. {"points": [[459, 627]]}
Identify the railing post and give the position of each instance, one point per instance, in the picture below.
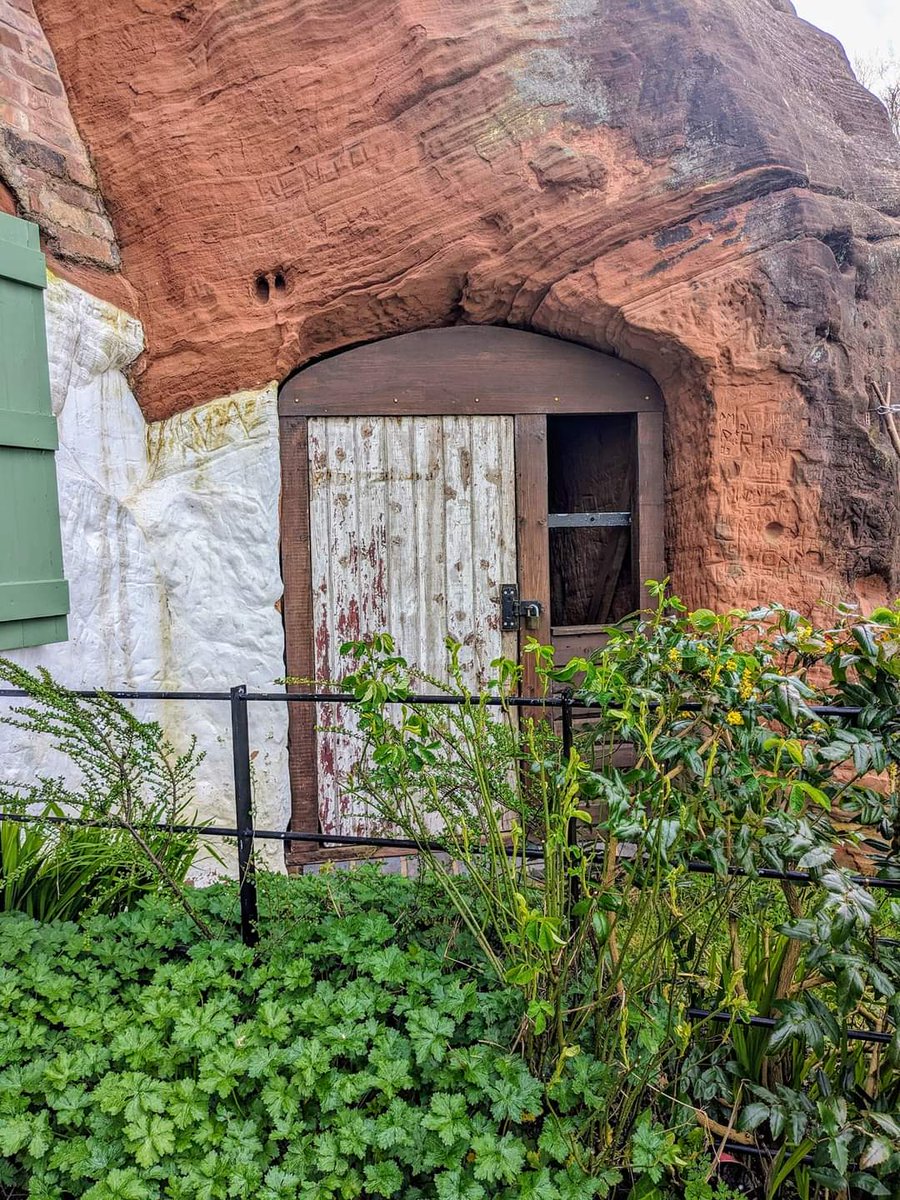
{"points": [[243, 811], [566, 724], [572, 825]]}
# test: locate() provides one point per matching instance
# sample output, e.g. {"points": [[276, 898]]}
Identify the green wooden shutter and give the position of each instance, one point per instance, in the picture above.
{"points": [[34, 597]]}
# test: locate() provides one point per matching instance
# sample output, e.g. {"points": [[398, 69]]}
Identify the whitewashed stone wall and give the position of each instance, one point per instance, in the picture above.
{"points": [[170, 540]]}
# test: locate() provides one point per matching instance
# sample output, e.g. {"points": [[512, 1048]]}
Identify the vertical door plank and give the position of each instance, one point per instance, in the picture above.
{"points": [[332, 516], [350, 583], [363, 587], [321, 486], [402, 552], [532, 541], [507, 533], [493, 552], [428, 526], [460, 532], [297, 607], [648, 523]]}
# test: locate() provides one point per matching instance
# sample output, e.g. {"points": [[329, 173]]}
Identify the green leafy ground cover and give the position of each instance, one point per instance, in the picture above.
{"points": [[361, 1051], [365, 1049]]}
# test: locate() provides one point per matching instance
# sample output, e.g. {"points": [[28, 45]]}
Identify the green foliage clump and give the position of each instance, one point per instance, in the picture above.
{"points": [[700, 752], [350, 1055], [123, 778]]}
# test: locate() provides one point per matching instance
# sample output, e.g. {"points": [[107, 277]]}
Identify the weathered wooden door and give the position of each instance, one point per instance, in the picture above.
{"points": [[423, 473], [412, 531]]}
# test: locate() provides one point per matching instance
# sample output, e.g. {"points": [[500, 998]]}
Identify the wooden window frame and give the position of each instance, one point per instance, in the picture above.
{"points": [[467, 370]]}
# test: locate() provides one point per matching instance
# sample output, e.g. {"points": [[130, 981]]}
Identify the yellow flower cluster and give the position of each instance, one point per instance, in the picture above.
{"points": [[734, 718], [745, 691]]}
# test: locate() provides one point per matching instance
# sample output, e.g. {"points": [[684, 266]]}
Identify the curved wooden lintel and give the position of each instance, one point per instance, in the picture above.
{"points": [[468, 369]]}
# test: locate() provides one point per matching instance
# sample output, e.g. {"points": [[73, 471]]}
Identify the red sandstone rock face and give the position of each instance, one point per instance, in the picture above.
{"points": [[697, 185]]}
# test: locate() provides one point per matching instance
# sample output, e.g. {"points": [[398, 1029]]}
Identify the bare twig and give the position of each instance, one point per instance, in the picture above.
{"points": [[884, 402], [726, 1132]]}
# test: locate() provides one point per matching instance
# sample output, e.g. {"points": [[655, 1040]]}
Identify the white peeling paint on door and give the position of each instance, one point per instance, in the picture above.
{"points": [[413, 532]]}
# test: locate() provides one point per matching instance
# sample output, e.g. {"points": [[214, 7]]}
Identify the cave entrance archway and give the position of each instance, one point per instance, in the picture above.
{"points": [[426, 475]]}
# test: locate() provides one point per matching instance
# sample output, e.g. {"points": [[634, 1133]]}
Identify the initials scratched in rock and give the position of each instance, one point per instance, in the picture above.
{"points": [[323, 169]]}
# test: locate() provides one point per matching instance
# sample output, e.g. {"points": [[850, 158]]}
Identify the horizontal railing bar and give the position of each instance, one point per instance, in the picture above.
{"points": [[289, 835], [314, 698], [577, 706], [854, 1035], [286, 835], [88, 694], [414, 698], [697, 867], [584, 712], [819, 710], [759, 1151], [399, 843]]}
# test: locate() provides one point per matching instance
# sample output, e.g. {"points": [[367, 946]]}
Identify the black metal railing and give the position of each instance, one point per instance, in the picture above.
{"points": [[245, 832]]}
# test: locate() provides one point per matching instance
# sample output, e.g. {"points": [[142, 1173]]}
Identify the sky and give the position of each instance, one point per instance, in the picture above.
{"points": [[868, 29]]}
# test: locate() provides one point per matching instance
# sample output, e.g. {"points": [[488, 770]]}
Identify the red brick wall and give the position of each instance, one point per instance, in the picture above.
{"points": [[44, 163]]}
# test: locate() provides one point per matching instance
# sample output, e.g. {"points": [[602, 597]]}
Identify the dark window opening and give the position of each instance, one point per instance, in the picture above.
{"points": [[590, 478]]}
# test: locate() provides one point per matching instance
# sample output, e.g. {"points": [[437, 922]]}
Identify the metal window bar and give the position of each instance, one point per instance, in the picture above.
{"points": [[589, 520]]}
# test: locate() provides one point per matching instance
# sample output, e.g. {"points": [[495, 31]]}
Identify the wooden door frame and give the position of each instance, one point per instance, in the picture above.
{"points": [[467, 370]]}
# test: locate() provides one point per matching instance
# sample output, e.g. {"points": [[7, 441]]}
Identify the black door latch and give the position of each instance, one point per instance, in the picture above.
{"points": [[514, 611]]}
